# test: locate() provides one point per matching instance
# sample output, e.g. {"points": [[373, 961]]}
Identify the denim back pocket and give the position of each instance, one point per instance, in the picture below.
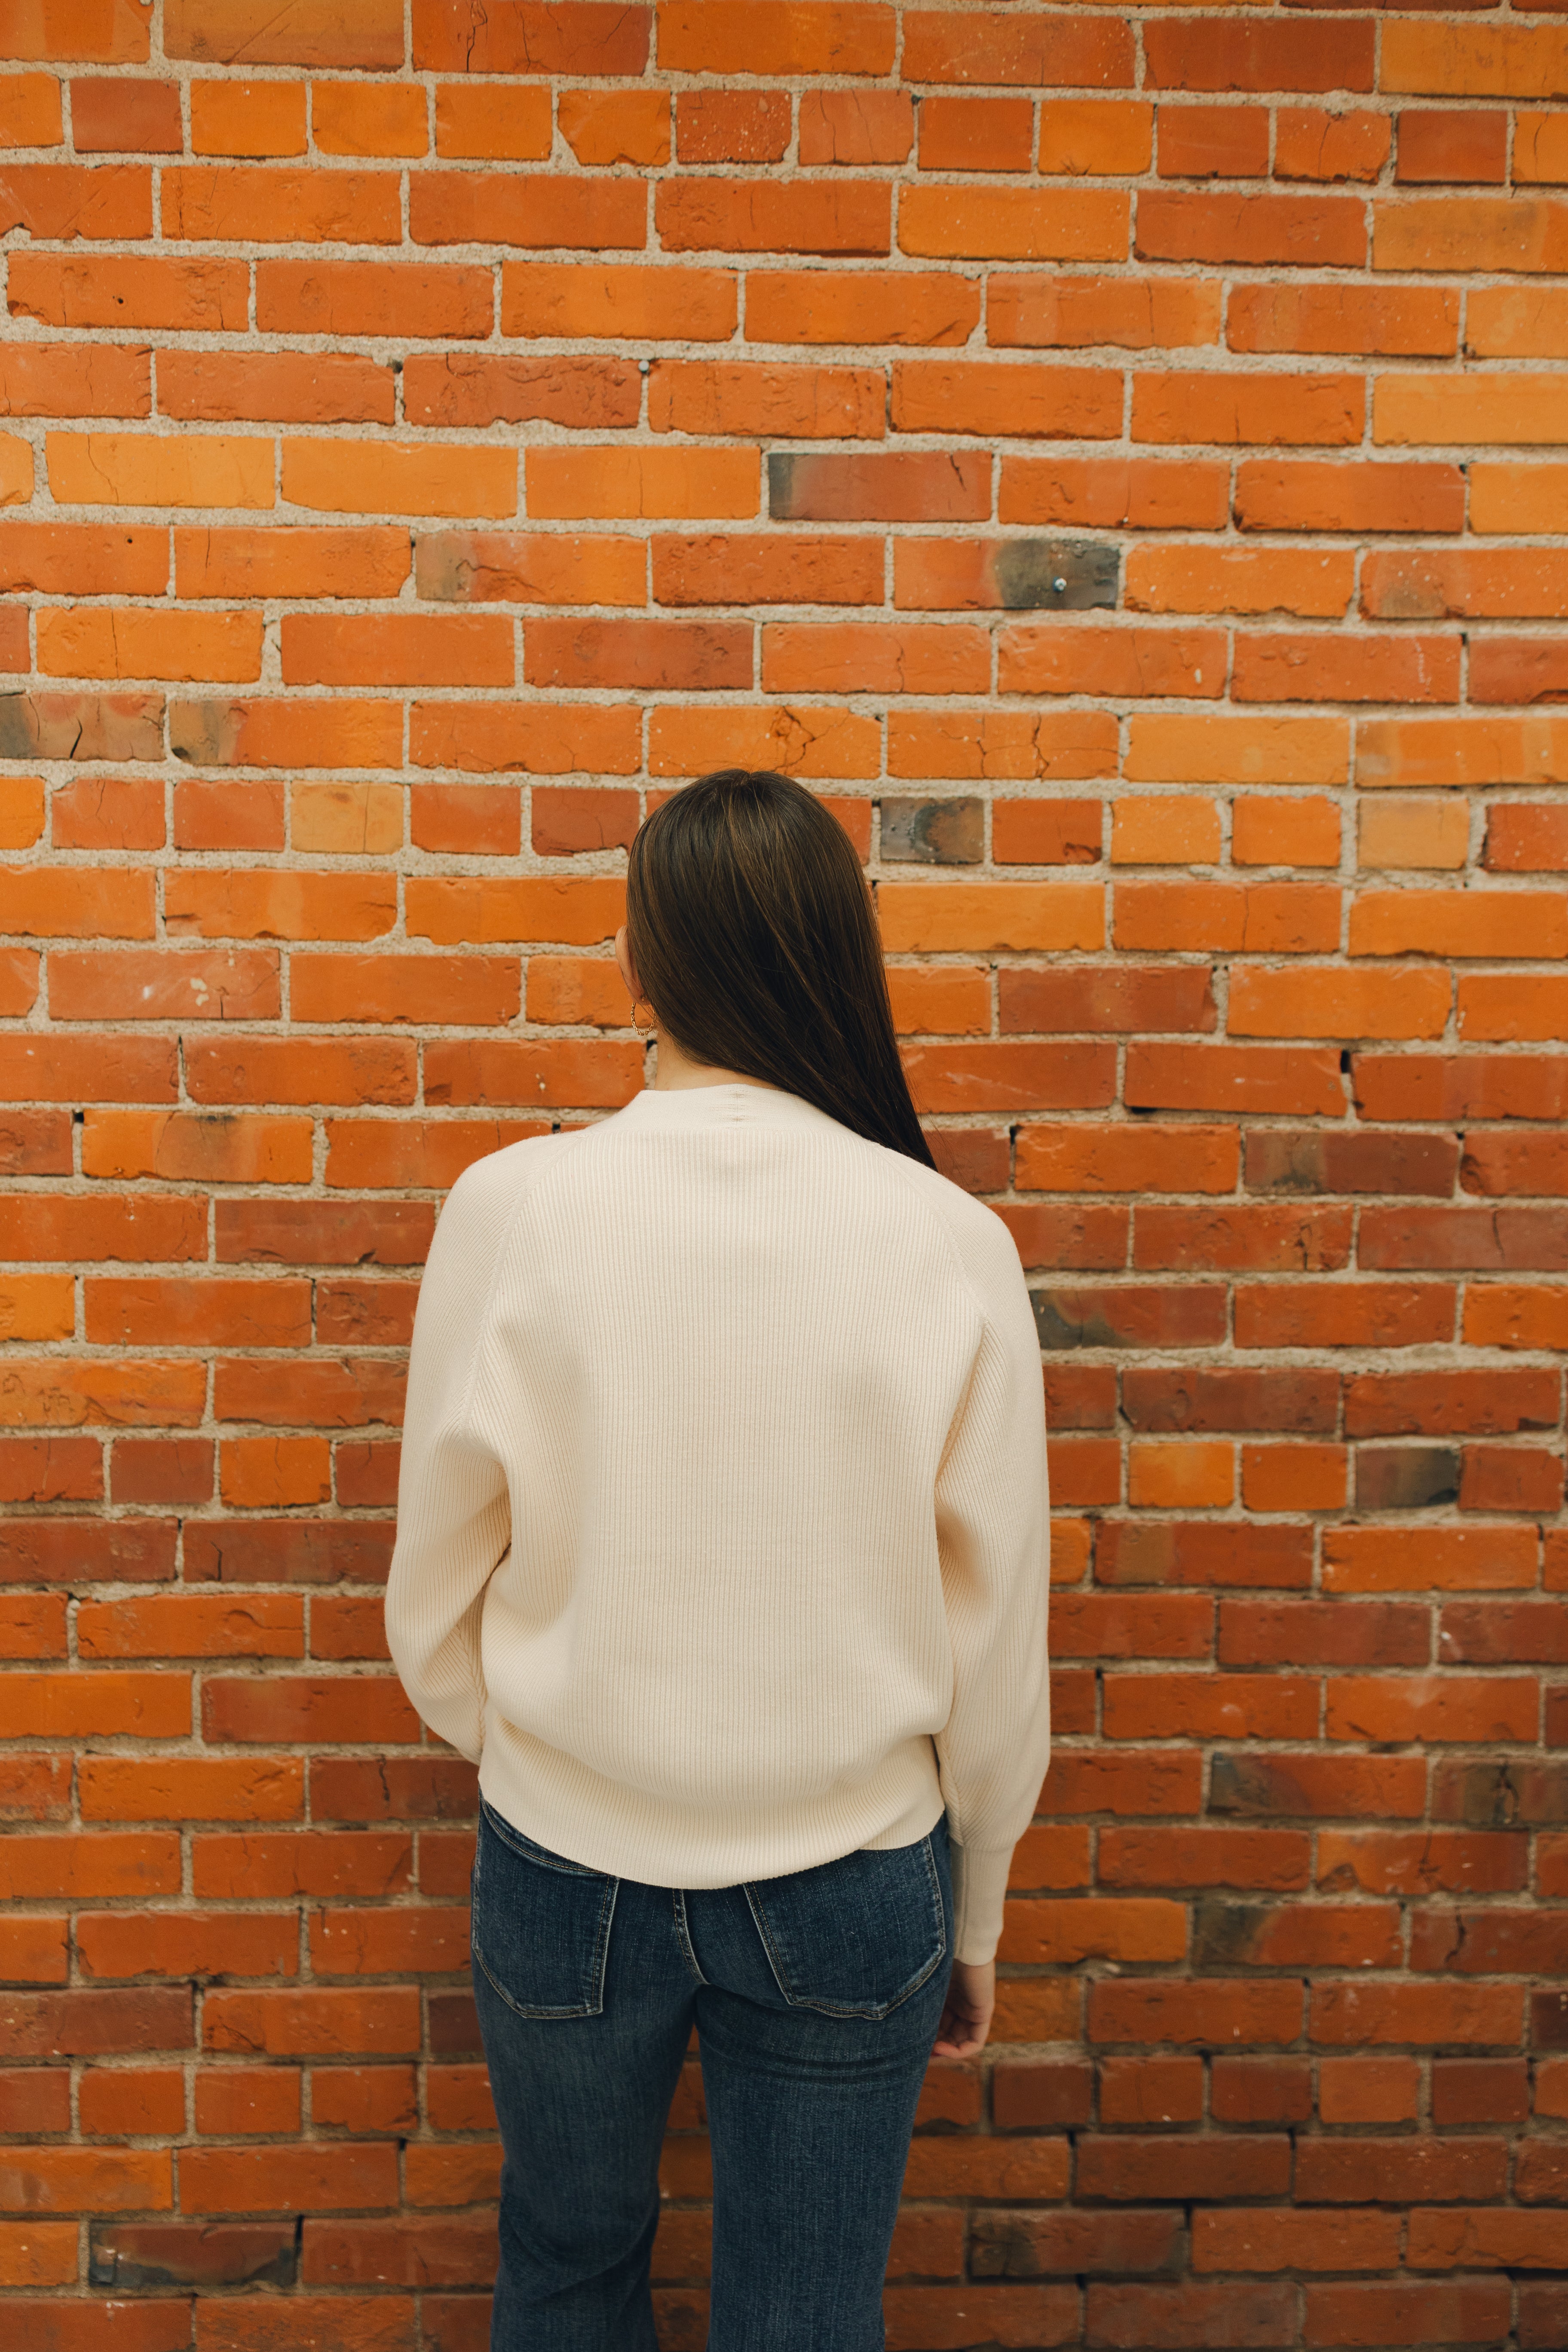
{"points": [[541, 1925], [856, 1937]]}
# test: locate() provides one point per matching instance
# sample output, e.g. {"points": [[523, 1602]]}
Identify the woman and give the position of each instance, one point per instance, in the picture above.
{"points": [[722, 1550]]}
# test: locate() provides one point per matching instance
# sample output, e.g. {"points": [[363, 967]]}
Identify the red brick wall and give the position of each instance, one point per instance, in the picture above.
{"points": [[430, 437]]}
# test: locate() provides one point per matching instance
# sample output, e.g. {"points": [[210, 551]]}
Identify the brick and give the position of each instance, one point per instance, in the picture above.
{"points": [[1084, 136], [965, 223], [365, 298], [1147, 492], [160, 470], [315, 32], [399, 478], [44, 379], [241, 118], [1323, 495], [120, 115], [111, 290], [857, 126], [919, 307], [1323, 319], [949, 46], [137, 642], [355, 119], [243, 202], [1028, 310], [1211, 55], [1472, 232], [618, 300], [1314, 142], [1263, 580], [1233, 1078], [735, 567], [1114, 662], [1289, 231], [935, 395], [599, 126], [1009, 745]]}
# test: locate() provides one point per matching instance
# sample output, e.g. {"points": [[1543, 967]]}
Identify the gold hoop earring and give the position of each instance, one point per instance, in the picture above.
{"points": [[636, 1023]]}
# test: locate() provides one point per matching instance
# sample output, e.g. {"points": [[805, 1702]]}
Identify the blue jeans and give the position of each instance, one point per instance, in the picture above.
{"points": [[816, 1999]]}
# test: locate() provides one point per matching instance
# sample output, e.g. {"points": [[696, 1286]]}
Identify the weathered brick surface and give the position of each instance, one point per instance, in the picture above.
{"points": [[1114, 458]]}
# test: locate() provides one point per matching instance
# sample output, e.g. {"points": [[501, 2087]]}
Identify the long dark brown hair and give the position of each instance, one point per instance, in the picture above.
{"points": [[752, 933]]}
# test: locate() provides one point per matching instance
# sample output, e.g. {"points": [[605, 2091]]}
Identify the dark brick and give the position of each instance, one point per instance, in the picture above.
{"points": [[1282, 1160], [126, 2254], [935, 833], [1199, 1397], [1405, 1477], [1035, 2245]]}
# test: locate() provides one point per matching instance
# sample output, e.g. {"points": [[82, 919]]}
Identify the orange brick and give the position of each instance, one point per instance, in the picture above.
{"points": [[1452, 144], [246, 204], [368, 118], [294, 387], [1303, 830], [872, 658], [1083, 136], [1314, 142], [1541, 149], [1061, 659], [831, 306], [346, 820], [152, 469], [976, 134], [962, 222], [1466, 233], [372, 298], [1180, 1474], [617, 301], [30, 110], [1165, 829], [1208, 142], [1147, 493], [1413, 833], [247, 117], [399, 478], [1328, 1002], [1007, 397], [1458, 922], [181, 1148], [600, 126], [1467, 409], [856, 126], [773, 37], [1518, 497], [1293, 1477], [1418, 320], [1035, 311], [1315, 583], [731, 126], [271, 1473], [570, 484], [318, 33], [1264, 410], [96, 641], [753, 398], [112, 113]]}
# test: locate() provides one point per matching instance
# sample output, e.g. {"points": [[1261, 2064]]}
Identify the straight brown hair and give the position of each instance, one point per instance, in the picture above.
{"points": [[752, 930]]}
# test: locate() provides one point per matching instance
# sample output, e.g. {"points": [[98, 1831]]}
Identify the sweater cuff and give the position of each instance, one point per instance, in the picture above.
{"points": [[979, 1889]]}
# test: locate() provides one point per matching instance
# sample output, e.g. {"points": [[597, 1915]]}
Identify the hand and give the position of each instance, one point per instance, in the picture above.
{"points": [[966, 2012]]}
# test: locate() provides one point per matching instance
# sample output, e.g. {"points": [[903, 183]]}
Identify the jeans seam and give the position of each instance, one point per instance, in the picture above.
{"points": [[683, 1932]]}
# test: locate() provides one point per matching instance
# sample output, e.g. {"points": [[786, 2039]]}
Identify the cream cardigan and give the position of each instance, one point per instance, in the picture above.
{"points": [[723, 1538]]}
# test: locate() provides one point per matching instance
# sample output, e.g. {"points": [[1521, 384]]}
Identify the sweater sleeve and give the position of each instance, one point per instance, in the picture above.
{"points": [[454, 1512], [994, 1542]]}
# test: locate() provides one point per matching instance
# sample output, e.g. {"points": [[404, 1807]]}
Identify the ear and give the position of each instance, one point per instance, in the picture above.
{"points": [[624, 962]]}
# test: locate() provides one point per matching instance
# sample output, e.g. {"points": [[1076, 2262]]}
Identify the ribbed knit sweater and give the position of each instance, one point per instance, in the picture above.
{"points": [[722, 1537]]}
